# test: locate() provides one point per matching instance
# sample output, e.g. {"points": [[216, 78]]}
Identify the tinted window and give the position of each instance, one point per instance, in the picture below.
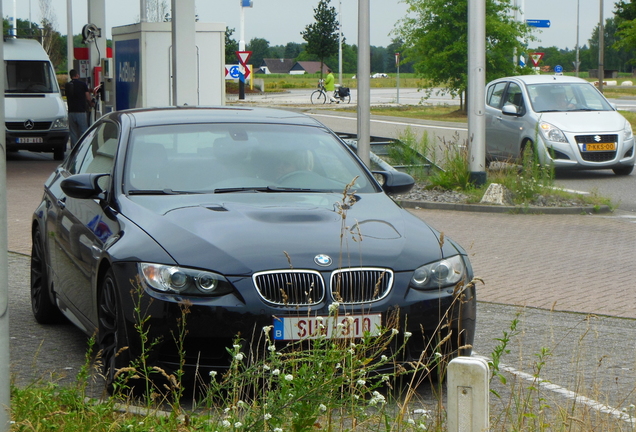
{"points": [[207, 157], [97, 152], [514, 96], [30, 77]]}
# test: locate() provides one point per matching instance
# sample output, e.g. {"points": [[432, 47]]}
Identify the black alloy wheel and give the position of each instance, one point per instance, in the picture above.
{"points": [[111, 338], [44, 309]]}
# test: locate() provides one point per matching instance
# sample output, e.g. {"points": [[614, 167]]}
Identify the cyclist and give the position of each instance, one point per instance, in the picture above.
{"points": [[330, 86]]}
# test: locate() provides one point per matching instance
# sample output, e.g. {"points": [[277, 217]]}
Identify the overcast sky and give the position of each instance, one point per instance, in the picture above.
{"points": [[281, 21]]}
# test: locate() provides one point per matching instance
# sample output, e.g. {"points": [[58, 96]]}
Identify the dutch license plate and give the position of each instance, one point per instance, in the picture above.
{"points": [[350, 326], [34, 140], [589, 147]]}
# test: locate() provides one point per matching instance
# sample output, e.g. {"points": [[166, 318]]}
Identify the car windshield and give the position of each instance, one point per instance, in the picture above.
{"points": [[239, 158], [555, 97], [30, 77]]}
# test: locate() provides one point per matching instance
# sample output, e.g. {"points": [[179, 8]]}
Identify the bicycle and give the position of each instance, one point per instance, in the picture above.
{"points": [[319, 96]]}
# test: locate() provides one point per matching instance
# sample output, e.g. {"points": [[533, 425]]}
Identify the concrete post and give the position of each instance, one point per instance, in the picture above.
{"points": [[476, 91], [184, 54], [5, 360], [69, 35], [467, 405], [364, 83]]}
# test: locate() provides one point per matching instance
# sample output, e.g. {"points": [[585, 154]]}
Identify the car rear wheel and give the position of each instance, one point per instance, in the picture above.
{"points": [[111, 337], [623, 171], [44, 309]]}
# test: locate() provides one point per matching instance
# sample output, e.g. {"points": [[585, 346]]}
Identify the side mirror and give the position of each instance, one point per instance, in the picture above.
{"points": [[82, 186], [395, 182], [510, 109]]}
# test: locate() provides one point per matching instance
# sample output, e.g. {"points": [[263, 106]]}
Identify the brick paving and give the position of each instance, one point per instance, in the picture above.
{"points": [[578, 263]]}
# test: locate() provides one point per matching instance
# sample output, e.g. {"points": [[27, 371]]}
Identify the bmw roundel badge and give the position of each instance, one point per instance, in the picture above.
{"points": [[322, 260]]}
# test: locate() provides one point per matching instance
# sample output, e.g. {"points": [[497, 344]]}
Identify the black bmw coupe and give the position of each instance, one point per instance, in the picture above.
{"points": [[252, 217]]}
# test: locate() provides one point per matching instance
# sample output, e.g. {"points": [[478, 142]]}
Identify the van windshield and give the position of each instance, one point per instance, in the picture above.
{"points": [[30, 77]]}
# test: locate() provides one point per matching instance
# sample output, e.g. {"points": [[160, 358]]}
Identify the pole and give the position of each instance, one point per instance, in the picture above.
{"points": [[340, 43], [364, 83], [397, 65], [601, 48], [69, 35], [5, 360], [242, 48], [578, 10], [476, 90]]}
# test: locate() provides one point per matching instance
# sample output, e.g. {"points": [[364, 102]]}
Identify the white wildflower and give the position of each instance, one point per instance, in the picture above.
{"points": [[226, 423], [278, 430], [276, 372], [267, 329], [394, 331], [289, 377], [213, 373], [333, 307], [383, 358], [361, 382], [411, 421], [266, 367], [322, 407], [408, 334], [272, 348], [239, 357], [236, 346], [238, 425], [241, 404], [267, 416]]}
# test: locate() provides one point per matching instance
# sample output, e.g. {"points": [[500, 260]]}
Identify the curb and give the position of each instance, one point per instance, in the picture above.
{"points": [[480, 208]]}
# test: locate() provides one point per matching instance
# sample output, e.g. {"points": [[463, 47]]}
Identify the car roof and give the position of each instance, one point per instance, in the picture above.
{"points": [[197, 114], [543, 79]]}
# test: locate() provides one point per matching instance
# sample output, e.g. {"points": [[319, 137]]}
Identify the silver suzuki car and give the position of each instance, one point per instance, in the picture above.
{"points": [[566, 120]]}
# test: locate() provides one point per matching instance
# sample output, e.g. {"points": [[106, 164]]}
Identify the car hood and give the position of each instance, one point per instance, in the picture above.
{"points": [[238, 234], [585, 121]]}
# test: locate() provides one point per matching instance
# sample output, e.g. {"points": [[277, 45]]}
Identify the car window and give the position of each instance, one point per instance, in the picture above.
{"points": [[553, 97], [209, 157], [514, 96], [495, 93], [97, 152]]}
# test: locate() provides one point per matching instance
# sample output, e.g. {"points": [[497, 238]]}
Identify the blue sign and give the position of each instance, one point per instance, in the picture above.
{"points": [[127, 74], [558, 69], [538, 23], [235, 72]]}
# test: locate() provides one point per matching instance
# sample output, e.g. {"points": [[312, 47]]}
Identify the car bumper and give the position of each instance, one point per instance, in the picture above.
{"points": [[571, 156], [41, 141], [214, 324]]}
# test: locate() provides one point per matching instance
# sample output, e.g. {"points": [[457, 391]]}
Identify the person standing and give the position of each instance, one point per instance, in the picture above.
{"points": [[330, 85], [79, 100]]}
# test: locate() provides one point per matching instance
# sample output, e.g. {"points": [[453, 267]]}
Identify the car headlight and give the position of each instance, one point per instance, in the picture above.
{"points": [[174, 279], [440, 274], [61, 123], [628, 132], [552, 133]]}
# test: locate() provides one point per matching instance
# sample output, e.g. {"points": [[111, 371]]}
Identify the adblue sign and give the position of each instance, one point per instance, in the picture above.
{"points": [[127, 73]]}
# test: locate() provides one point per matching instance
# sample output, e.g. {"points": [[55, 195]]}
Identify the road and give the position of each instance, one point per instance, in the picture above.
{"points": [[568, 277]]}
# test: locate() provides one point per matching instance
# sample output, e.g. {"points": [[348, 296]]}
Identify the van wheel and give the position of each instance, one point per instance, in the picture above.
{"points": [[58, 153]]}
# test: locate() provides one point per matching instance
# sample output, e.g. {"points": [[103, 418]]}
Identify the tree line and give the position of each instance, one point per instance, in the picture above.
{"points": [[432, 42]]}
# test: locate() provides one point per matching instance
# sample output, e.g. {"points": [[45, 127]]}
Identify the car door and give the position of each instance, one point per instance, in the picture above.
{"points": [[494, 100], [504, 126], [84, 225]]}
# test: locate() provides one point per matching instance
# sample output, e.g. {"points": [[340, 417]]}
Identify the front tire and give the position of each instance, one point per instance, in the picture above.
{"points": [[44, 308], [111, 337], [318, 97], [623, 171]]}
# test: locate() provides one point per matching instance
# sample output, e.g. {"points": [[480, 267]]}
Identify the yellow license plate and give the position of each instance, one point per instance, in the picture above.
{"points": [[599, 147]]}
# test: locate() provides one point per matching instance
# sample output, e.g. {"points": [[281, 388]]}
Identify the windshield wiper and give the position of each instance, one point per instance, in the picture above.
{"points": [[266, 189], [154, 192]]}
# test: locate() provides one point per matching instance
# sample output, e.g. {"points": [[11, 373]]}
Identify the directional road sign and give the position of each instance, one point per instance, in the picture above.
{"points": [[538, 23]]}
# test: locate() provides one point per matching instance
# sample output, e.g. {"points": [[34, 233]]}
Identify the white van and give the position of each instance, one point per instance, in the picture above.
{"points": [[35, 115]]}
